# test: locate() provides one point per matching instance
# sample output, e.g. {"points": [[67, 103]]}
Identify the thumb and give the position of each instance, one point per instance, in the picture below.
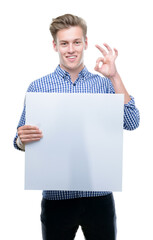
{"points": [[98, 63]]}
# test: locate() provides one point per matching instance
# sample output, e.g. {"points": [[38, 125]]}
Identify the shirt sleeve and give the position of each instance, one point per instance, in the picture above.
{"points": [[22, 118], [131, 113], [21, 123]]}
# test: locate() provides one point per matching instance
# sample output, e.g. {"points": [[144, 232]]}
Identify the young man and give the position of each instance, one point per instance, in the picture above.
{"points": [[64, 211]]}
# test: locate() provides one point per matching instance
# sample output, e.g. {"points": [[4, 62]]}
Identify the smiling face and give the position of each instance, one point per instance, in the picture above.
{"points": [[70, 45]]}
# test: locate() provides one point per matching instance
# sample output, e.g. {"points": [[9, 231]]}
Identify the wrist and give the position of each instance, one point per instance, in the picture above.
{"points": [[115, 77]]}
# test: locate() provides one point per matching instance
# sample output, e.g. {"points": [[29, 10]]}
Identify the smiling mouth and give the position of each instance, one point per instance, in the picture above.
{"points": [[71, 57]]}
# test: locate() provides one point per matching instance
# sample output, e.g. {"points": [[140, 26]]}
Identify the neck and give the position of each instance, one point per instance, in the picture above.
{"points": [[74, 76], [73, 72]]}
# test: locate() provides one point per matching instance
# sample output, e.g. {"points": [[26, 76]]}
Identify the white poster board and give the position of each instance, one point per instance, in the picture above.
{"points": [[82, 142]]}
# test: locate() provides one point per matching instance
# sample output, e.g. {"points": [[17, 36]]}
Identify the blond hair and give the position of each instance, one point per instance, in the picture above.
{"points": [[67, 21]]}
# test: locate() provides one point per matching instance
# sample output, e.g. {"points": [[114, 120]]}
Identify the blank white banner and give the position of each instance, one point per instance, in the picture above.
{"points": [[82, 142]]}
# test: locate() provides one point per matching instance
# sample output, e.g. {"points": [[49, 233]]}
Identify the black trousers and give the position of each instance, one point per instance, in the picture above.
{"points": [[96, 215]]}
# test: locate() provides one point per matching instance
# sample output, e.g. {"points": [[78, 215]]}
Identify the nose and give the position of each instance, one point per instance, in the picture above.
{"points": [[71, 48]]}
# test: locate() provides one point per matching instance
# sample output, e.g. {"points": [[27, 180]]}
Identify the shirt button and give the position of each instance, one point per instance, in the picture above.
{"points": [[74, 84]]}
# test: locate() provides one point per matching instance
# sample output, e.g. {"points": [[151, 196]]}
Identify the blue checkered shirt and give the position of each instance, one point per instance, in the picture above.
{"points": [[60, 81]]}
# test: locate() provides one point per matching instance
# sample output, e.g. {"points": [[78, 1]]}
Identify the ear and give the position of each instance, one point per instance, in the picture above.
{"points": [[86, 43], [55, 46]]}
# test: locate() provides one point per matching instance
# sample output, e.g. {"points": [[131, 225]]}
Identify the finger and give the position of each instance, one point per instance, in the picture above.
{"points": [[31, 131], [96, 68], [100, 59], [28, 127], [30, 136], [30, 140], [116, 52], [98, 63], [27, 139], [101, 50], [108, 47]]}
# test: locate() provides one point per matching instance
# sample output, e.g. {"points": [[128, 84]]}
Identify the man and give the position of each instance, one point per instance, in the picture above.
{"points": [[64, 211]]}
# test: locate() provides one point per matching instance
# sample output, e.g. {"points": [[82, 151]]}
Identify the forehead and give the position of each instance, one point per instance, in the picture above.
{"points": [[68, 34]]}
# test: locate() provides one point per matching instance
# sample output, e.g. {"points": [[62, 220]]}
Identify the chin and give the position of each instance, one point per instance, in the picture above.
{"points": [[72, 67]]}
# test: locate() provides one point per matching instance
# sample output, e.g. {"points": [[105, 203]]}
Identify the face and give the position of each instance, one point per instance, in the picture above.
{"points": [[70, 45]]}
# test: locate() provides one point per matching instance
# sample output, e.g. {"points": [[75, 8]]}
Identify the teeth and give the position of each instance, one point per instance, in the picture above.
{"points": [[72, 57]]}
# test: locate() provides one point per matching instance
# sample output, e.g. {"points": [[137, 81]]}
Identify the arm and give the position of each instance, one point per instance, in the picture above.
{"points": [[119, 87], [131, 115], [26, 133], [108, 69]]}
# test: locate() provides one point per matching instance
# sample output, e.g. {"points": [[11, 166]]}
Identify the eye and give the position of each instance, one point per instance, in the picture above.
{"points": [[77, 42], [63, 43]]}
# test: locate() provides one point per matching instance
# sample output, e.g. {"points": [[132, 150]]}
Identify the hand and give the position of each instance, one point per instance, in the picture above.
{"points": [[29, 134], [108, 68]]}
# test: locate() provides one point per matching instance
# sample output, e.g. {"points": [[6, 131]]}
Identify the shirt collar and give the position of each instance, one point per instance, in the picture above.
{"points": [[63, 73]]}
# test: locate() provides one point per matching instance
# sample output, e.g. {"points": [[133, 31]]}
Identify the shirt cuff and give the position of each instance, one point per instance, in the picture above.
{"points": [[20, 144], [131, 103]]}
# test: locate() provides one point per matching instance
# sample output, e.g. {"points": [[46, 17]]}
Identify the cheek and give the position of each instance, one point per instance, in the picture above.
{"points": [[61, 51], [81, 49]]}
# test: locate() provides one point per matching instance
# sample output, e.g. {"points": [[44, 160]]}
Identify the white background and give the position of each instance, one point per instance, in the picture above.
{"points": [[26, 54]]}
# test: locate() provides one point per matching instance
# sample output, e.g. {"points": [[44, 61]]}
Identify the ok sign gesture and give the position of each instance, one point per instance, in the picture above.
{"points": [[108, 68]]}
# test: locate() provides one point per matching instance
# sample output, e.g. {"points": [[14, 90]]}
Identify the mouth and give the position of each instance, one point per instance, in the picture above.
{"points": [[71, 58]]}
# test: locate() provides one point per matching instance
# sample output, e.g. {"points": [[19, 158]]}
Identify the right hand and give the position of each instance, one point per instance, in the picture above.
{"points": [[28, 133]]}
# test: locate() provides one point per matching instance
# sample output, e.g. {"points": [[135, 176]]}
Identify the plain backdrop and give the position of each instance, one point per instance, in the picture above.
{"points": [[26, 53]]}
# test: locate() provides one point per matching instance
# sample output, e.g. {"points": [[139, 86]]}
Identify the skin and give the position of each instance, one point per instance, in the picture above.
{"points": [[28, 133], [108, 69], [70, 45]]}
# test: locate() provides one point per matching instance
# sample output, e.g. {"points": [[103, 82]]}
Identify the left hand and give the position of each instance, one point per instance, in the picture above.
{"points": [[108, 68]]}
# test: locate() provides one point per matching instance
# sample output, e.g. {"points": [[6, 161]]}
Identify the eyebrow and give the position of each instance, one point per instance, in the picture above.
{"points": [[73, 40]]}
